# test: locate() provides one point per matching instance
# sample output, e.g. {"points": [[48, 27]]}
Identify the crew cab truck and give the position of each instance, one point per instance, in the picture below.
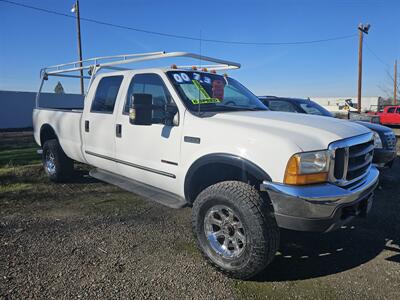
{"points": [[187, 136], [389, 116]]}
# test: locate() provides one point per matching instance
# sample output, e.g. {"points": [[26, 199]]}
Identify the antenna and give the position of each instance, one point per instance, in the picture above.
{"points": [[200, 69]]}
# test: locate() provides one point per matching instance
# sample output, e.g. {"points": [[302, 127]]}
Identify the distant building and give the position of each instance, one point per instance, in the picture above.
{"points": [[367, 103]]}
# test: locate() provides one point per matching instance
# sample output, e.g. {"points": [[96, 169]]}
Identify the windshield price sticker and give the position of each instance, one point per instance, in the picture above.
{"points": [[207, 80], [184, 78], [207, 99], [178, 78]]}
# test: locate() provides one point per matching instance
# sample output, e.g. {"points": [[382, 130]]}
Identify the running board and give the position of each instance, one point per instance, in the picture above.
{"points": [[141, 189]]}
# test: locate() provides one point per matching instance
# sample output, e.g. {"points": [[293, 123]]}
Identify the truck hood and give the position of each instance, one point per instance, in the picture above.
{"points": [[308, 132]]}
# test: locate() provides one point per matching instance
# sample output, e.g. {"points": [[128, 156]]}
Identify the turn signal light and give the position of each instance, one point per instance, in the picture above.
{"points": [[293, 176]]}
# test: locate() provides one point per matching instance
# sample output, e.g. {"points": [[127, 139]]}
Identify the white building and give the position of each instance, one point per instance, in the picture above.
{"points": [[366, 102]]}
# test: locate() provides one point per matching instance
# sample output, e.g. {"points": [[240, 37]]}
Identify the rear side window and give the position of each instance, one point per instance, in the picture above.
{"points": [[279, 105], [391, 110], [398, 110], [106, 94]]}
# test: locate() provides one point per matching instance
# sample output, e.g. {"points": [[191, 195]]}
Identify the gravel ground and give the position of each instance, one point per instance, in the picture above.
{"points": [[87, 239]]}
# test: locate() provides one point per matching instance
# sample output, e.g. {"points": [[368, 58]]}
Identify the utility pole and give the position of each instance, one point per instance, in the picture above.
{"points": [[76, 10], [361, 29], [395, 83]]}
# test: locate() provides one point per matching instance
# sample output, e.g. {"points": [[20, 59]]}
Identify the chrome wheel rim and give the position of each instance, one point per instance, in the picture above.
{"points": [[224, 232], [50, 163]]}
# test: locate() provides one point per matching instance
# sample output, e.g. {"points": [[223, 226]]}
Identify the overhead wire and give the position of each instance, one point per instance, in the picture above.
{"points": [[177, 36]]}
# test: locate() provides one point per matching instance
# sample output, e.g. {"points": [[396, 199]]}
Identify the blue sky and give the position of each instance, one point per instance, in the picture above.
{"points": [[30, 39]]}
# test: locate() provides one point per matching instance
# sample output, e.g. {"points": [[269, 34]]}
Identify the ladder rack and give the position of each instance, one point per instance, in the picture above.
{"points": [[112, 62], [94, 65]]}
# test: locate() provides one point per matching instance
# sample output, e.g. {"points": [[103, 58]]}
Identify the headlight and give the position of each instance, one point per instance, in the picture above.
{"points": [[377, 140], [307, 168]]}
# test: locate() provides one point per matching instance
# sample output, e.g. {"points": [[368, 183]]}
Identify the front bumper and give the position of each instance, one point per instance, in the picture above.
{"points": [[320, 207], [384, 157]]}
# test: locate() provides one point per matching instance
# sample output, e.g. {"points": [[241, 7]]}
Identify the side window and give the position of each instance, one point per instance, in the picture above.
{"points": [[398, 110], [278, 105], [106, 94], [391, 110], [149, 84]]}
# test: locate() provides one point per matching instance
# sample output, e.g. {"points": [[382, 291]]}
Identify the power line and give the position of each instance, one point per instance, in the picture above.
{"points": [[343, 37], [382, 62], [376, 56]]}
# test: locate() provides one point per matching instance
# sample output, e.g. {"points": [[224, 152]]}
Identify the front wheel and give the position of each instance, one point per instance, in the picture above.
{"points": [[235, 228]]}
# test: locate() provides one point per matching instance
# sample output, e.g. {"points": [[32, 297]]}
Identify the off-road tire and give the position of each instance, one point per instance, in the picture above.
{"points": [[255, 212], [63, 165]]}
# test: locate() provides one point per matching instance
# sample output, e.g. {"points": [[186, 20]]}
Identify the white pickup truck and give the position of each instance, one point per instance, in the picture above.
{"points": [[187, 136]]}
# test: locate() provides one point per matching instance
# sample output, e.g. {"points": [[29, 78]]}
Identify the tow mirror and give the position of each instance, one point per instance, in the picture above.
{"points": [[141, 110]]}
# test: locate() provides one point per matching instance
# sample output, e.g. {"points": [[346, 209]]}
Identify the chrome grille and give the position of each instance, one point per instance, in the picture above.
{"points": [[390, 140], [360, 159], [351, 159]]}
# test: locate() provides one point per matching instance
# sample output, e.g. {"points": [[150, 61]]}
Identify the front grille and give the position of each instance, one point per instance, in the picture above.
{"points": [[390, 140], [351, 159], [360, 159]]}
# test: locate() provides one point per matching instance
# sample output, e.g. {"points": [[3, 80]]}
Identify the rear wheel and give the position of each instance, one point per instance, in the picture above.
{"points": [[56, 164], [235, 228]]}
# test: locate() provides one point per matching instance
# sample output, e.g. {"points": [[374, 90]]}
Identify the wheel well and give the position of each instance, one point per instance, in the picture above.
{"points": [[47, 133], [203, 174]]}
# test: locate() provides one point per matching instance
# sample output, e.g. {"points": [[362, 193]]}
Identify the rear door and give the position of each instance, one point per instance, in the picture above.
{"points": [[98, 122]]}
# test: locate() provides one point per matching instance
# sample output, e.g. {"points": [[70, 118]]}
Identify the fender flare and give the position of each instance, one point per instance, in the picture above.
{"points": [[46, 127], [224, 158]]}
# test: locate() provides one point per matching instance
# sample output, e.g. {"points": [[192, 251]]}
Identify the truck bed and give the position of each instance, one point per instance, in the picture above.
{"points": [[66, 123]]}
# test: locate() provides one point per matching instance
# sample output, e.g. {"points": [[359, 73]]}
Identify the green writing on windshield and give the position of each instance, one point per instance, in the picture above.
{"points": [[201, 89], [206, 101]]}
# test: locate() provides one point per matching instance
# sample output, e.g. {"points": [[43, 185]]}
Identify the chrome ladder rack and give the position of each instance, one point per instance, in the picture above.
{"points": [[94, 65]]}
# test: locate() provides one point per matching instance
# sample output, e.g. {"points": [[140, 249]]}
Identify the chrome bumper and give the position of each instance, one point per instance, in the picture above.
{"points": [[320, 207]]}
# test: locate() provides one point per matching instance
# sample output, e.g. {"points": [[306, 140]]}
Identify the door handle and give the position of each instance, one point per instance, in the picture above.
{"points": [[86, 125], [118, 130]]}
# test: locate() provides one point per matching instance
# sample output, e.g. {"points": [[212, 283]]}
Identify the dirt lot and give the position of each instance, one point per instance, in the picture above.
{"points": [[87, 239]]}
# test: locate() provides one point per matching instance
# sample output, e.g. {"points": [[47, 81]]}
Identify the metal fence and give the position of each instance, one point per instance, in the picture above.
{"points": [[16, 107]]}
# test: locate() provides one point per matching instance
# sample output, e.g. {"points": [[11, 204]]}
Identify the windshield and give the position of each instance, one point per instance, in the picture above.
{"points": [[211, 92], [313, 108]]}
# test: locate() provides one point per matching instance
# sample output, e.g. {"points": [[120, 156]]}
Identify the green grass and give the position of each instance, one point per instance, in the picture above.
{"points": [[25, 186], [19, 156], [16, 187]]}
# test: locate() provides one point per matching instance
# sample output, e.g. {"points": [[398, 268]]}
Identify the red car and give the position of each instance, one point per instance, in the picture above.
{"points": [[390, 115]]}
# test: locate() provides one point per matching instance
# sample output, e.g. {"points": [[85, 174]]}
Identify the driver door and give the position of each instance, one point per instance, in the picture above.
{"points": [[148, 153]]}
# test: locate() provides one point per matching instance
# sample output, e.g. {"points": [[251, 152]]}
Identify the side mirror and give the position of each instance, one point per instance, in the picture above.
{"points": [[171, 115], [141, 110]]}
